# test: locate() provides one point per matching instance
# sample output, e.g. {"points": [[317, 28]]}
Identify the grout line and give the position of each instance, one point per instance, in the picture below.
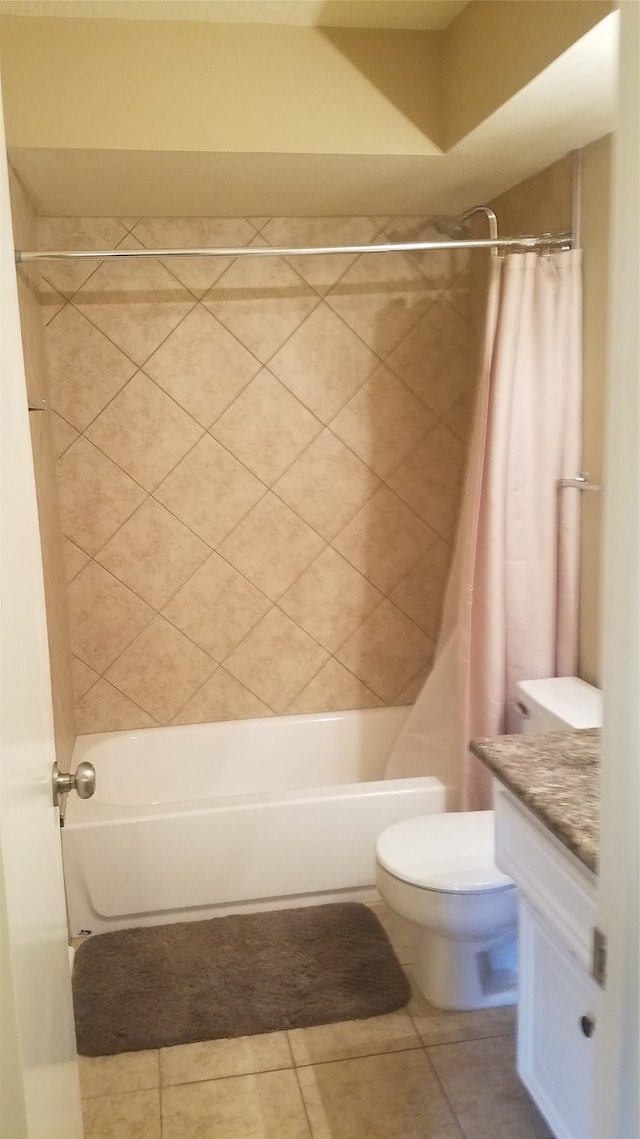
{"points": [[323, 298], [446, 1097], [304, 1103], [415, 1046]]}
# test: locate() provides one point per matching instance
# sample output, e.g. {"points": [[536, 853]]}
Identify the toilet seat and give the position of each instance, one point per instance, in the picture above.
{"points": [[449, 853]]}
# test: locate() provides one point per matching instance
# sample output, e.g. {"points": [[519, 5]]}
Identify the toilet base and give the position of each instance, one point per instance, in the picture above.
{"points": [[456, 974]]}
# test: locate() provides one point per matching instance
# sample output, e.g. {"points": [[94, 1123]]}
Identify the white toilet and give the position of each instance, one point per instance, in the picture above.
{"points": [[439, 872]]}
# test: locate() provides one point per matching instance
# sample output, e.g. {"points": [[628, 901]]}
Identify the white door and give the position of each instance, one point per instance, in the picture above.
{"points": [[617, 1108], [39, 1091]]}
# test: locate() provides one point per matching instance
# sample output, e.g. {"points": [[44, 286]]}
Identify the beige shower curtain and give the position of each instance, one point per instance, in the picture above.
{"points": [[512, 600]]}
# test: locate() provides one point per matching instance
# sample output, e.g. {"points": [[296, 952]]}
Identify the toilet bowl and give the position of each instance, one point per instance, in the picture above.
{"points": [[438, 871]]}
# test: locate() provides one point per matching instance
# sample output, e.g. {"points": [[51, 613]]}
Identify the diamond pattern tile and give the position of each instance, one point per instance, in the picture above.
{"points": [[136, 304], [85, 370], [160, 670], [74, 558], [382, 296], [276, 660], [327, 485], [383, 422], [384, 540], [104, 616], [386, 651], [266, 427], [96, 497], [421, 593], [217, 607], [210, 491], [330, 600], [83, 677], [144, 431], [211, 596], [323, 363], [318, 271], [222, 697], [153, 553], [430, 479], [202, 366], [434, 359], [75, 233], [63, 433], [262, 301], [333, 689], [272, 546], [50, 300], [439, 267], [197, 274], [104, 709], [415, 686], [459, 418]]}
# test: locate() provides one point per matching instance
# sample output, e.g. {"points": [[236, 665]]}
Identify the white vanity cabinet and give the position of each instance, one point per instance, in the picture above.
{"points": [[557, 994]]}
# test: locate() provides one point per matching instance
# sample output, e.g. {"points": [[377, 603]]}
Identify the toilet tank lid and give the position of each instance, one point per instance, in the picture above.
{"points": [[576, 703]]}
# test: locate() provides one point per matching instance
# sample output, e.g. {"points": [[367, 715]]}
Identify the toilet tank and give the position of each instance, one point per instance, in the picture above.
{"points": [[559, 702]]}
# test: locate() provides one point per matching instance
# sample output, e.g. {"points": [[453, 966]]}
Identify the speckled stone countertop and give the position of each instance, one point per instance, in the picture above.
{"points": [[557, 776]]}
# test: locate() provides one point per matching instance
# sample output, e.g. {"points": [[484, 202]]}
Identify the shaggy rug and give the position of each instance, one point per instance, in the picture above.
{"points": [[233, 976]]}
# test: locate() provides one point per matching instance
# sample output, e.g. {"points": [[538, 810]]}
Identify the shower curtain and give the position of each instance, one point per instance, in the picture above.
{"points": [[511, 609]]}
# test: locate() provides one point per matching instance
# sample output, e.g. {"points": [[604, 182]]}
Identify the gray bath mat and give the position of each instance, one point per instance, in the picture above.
{"points": [[233, 976]]}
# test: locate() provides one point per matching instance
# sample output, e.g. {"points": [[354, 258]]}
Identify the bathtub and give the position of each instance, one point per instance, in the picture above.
{"points": [[199, 821]]}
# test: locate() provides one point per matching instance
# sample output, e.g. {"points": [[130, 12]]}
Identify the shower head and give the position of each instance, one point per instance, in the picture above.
{"points": [[459, 228], [456, 229]]}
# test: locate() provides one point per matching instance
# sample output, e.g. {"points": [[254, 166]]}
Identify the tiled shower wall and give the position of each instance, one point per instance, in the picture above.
{"points": [[259, 465]]}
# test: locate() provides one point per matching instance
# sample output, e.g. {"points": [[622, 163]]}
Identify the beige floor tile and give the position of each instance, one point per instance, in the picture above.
{"points": [[445, 1026], [132, 1115], [213, 1059], [402, 934], [395, 1096], [481, 1082], [263, 1106], [392, 1032], [127, 1072]]}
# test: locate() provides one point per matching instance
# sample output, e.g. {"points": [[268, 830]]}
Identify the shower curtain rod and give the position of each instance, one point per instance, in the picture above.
{"points": [[565, 240]]}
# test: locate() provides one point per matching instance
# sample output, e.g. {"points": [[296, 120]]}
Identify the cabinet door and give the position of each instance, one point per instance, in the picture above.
{"points": [[555, 1055]]}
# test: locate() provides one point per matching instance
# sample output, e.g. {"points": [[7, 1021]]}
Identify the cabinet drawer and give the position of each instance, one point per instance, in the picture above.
{"points": [[555, 1057], [552, 880]]}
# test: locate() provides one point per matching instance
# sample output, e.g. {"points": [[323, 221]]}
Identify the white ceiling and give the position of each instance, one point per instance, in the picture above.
{"points": [[418, 14]]}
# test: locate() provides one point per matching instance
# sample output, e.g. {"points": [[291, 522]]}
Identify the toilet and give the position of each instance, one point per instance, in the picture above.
{"points": [[438, 871]]}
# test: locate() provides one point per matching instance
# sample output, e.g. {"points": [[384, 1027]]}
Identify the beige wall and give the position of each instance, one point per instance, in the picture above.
{"points": [[541, 204], [24, 228], [183, 86], [170, 118], [493, 49], [259, 468]]}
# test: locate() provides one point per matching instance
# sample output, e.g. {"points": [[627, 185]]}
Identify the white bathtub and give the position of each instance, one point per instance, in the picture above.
{"points": [[199, 821]]}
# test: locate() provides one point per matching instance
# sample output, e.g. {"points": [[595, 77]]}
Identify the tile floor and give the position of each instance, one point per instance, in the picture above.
{"points": [[418, 1073]]}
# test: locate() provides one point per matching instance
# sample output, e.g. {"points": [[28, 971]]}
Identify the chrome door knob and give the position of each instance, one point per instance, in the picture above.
{"points": [[82, 780]]}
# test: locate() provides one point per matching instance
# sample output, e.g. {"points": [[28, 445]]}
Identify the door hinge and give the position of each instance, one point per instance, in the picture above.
{"points": [[599, 958]]}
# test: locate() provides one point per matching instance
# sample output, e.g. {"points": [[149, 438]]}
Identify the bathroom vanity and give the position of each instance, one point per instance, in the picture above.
{"points": [[546, 809]]}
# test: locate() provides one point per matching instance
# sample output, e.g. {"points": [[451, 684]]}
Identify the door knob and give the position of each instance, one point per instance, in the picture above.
{"points": [[82, 780], [588, 1024]]}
